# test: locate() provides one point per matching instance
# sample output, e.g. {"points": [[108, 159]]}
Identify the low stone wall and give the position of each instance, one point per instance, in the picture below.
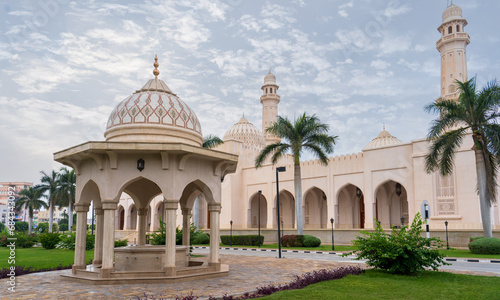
{"points": [[457, 238]]}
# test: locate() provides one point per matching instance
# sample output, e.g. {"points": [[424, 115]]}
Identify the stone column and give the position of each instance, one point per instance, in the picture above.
{"points": [[108, 245], [186, 226], [214, 234], [142, 214], [99, 225], [170, 216], [81, 236]]}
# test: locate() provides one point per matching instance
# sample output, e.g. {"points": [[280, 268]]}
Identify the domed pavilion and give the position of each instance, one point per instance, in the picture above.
{"points": [[153, 148]]}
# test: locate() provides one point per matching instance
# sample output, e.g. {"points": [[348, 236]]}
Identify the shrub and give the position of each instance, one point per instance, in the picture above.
{"points": [[68, 241], [45, 227], [292, 240], [201, 238], [21, 226], [49, 240], [121, 243], [245, 240], [472, 239], [2, 227], [403, 251], [485, 246], [25, 240], [311, 241]]}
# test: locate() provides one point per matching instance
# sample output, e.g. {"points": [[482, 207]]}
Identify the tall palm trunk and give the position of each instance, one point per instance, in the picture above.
{"points": [[298, 198], [30, 223], [483, 201], [51, 214], [70, 217]]}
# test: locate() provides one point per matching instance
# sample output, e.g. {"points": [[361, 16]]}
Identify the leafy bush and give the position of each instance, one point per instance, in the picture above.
{"points": [[403, 251], [159, 235], [121, 243], [2, 227], [21, 226], [25, 240], [22, 270], [49, 240], [45, 227], [68, 241], [292, 240], [485, 246], [311, 241], [201, 238]]}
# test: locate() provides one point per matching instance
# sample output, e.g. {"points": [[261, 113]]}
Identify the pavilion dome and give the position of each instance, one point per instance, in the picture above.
{"points": [[383, 139], [154, 114], [245, 132], [452, 12]]}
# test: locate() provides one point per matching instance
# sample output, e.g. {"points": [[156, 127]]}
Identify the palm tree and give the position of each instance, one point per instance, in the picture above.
{"points": [[306, 133], [475, 112], [211, 141], [30, 199], [50, 185], [66, 192]]}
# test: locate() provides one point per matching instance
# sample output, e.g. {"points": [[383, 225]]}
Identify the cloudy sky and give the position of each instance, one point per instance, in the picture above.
{"points": [[64, 65]]}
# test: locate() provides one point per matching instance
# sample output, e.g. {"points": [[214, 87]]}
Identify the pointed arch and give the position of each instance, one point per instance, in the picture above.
{"points": [[389, 206], [120, 217], [350, 207], [142, 190], [315, 208], [253, 220], [90, 193], [287, 209]]}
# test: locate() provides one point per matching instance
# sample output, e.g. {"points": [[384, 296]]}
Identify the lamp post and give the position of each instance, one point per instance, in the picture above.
{"points": [[447, 244], [278, 169], [259, 192], [64, 216], [231, 234], [402, 221], [333, 240], [282, 228]]}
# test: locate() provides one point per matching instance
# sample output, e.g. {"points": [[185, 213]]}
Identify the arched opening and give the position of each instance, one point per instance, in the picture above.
{"points": [[200, 212], [121, 217], [287, 210], [159, 215], [315, 209], [351, 207], [391, 204], [254, 211], [132, 217], [458, 28], [450, 30]]}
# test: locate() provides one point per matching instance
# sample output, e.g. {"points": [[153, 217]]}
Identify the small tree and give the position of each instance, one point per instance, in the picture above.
{"points": [[404, 251]]}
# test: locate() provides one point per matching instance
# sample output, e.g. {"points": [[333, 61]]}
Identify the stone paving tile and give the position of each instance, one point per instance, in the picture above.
{"points": [[245, 275]]}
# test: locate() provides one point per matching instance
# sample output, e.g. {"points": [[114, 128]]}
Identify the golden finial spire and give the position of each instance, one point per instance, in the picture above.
{"points": [[156, 72], [384, 126]]}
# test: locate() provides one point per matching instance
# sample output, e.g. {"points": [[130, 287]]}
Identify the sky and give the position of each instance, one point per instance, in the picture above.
{"points": [[357, 65]]}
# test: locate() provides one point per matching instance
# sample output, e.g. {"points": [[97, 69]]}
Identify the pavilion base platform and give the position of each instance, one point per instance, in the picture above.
{"points": [[144, 264]]}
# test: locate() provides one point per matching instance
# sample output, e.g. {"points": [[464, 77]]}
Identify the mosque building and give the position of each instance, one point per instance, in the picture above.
{"points": [[385, 181]]}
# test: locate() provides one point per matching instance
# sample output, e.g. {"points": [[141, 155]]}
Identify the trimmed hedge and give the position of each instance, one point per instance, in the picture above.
{"points": [[311, 241], [201, 238], [121, 243], [485, 246], [244, 240], [294, 240]]}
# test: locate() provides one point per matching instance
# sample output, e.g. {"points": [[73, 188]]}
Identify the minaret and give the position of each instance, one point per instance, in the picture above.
{"points": [[452, 48], [269, 100]]}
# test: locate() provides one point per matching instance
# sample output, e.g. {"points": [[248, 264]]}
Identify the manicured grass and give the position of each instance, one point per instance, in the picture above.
{"points": [[38, 257], [381, 285], [465, 253], [320, 248]]}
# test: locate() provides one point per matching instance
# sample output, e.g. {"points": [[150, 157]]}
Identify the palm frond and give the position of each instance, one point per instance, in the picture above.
{"points": [[211, 141]]}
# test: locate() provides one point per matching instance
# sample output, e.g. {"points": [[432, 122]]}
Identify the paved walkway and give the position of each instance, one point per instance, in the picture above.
{"points": [[245, 275]]}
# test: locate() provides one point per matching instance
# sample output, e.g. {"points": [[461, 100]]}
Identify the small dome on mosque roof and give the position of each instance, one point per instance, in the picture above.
{"points": [[383, 139], [245, 132], [154, 114], [452, 12], [270, 78]]}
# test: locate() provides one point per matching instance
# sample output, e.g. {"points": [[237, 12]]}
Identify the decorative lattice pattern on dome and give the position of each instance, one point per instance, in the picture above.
{"points": [[154, 108], [383, 139], [247, 133]]}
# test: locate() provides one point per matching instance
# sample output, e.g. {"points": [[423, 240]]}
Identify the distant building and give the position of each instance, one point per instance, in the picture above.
{"points": [[5, 187]]}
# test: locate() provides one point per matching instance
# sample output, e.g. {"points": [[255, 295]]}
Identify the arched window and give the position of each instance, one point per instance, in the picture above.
{"points": [[458, 28], [450, 29]]}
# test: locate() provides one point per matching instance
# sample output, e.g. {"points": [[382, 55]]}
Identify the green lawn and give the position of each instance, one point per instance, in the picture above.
{"points": [[381, 285], [41, 258], [465, 253]]}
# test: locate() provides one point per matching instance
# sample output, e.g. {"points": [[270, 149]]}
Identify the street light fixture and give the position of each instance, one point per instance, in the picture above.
{"points": [[402, 221], [333, 239], [358, 193], [231, 234], [447, 244], [259, 192], [398, 189], [278, 169]]}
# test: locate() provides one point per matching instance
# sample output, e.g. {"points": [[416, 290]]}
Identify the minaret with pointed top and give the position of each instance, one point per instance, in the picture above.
{"points": [[269, 100], [452, 46]]}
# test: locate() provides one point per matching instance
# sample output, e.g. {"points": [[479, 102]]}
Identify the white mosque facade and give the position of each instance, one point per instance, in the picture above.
{"points": [[385, 181]]}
